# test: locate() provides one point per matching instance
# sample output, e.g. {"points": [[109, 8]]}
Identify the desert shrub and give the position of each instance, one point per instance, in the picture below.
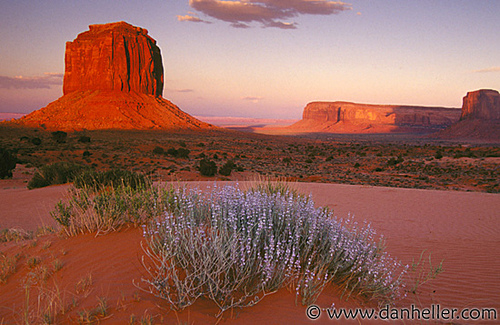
{"points": [[111, 178], [56, 173], [227, 168], [235, 247], [86, 153], [183, 153], [159, 151], [178, 153], [59, 136], [7, 163], [36, 141], [439, 154], [207, 167], [84, 139], [395, 161], [172, 152]]}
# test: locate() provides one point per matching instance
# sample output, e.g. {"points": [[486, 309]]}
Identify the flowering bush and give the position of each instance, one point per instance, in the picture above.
{"points": [[235, 247]]}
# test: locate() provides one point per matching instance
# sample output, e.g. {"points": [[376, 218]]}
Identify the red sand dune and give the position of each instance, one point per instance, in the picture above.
{"points": [[460, 227]]}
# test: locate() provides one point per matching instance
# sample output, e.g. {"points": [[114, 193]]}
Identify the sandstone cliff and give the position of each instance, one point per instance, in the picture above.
{"points": [[116, 56], [480, 118], [113, 80], [483, 104], [345, 117]]}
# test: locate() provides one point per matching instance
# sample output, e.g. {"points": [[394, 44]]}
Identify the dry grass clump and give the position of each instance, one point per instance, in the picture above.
{"points": [[8, 266], [108, 209]]}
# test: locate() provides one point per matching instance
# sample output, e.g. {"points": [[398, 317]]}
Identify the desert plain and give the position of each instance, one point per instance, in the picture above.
{"points": [[426, 198]]}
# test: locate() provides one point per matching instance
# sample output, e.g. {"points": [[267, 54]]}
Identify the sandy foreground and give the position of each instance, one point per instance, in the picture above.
{"points": [[460, 228]]}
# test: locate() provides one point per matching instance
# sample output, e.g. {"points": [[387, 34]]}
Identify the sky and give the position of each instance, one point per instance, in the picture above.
{"points": [[268, 58]]}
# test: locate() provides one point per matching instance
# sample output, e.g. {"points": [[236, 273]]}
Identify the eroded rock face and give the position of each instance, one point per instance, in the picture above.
{"points": [[480, 119], [116, 56], [481, 104], [113, 80], [345, 117]]}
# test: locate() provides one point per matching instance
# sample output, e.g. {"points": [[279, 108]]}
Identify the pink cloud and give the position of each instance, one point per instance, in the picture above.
{"points": [[269, 13], [191, 18], [487, 70], [38, 82]]}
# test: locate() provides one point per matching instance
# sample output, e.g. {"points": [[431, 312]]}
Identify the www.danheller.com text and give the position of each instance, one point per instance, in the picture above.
{"points": [[434, 312]]}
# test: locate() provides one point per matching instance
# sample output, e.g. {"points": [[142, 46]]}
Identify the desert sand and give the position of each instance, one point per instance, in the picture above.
{"points": [[460, 228]]}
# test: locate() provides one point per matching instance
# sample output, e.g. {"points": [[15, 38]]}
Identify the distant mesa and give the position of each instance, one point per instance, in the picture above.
{"points": [[113, 80], [483, 104], [346, 117], [480, 118]]}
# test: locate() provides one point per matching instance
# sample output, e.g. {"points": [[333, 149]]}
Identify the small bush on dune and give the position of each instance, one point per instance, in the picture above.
{"points": [[57, 173]]}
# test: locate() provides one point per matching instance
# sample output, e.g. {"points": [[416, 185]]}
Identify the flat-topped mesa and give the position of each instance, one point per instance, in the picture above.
{"points": [[114, 57], [346, 117], [481, 104]]}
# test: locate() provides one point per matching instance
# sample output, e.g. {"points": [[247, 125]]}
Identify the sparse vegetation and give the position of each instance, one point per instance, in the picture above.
{"points": [[402, 163]]}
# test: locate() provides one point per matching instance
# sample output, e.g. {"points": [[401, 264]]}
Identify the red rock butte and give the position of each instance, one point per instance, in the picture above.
{"points": [[113, 80]]}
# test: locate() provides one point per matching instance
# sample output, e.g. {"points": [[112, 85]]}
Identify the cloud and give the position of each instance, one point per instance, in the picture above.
{"points": [[492, 69], [253, 99], [269, 13], [38, 82], [192, 18], [282, 25]]}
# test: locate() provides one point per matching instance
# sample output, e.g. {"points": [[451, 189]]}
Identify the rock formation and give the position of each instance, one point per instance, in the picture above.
{"points": [[115, 56], [480, 119], [345, 117], [481, 104], [113, 80]]}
